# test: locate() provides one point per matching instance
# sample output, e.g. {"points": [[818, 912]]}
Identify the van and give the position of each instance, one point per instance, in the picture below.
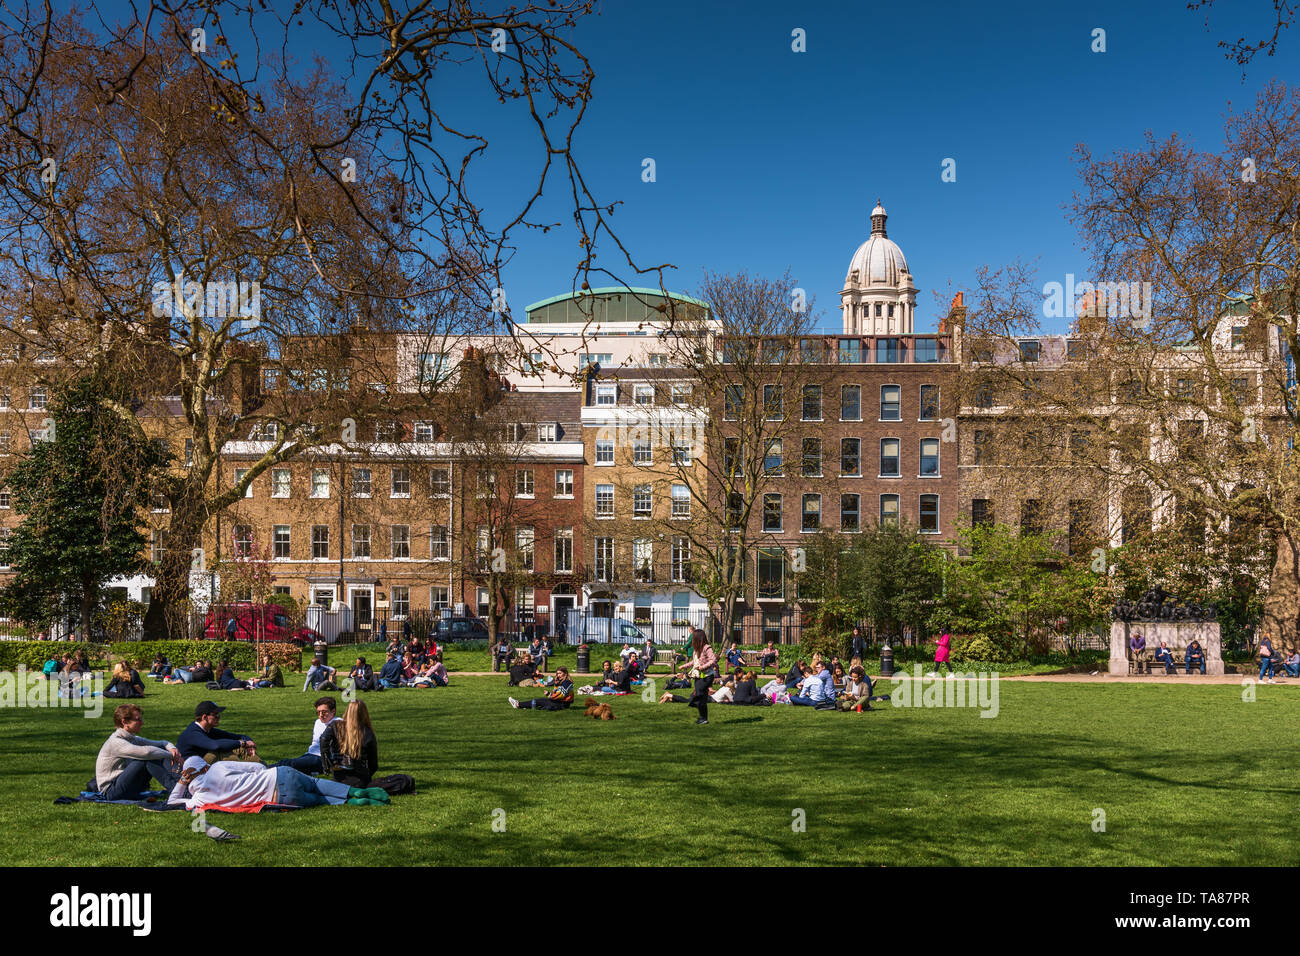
{"points": [[607, 630], [255, 622]]}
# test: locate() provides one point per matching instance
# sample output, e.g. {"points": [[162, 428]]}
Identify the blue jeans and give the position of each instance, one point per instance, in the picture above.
{"points": [[134, 780], [184, 674], [1292, 669], [804, 701], [300, 790], [1201, 664], [1265, 667], [388, 683], [307, 763]]}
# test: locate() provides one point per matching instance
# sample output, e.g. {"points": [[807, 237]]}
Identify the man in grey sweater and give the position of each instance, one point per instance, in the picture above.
{"points": [[127, 760]]}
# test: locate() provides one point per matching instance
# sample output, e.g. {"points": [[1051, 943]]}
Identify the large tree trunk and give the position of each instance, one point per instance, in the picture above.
{"points": [[169, 603], [1282, 605]]}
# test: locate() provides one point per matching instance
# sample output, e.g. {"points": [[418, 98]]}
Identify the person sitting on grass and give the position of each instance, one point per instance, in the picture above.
{"points": [[125, 682], [161, 667], [812, 690], [127, 761], [559, 698], [1194, 656], [229, 785], [349, 749], [634, 668], [363, 675], [746, 691], [857, 691], [269, 674], [310, 762], [432, 674], [227, 679], [838, 677], [203, 737], [523, 672], [1165, 657], [619, 680], [795, 674], [419, 653], [606, 673], [394, 647], [409, 670], [320, 676], [390, 675]]}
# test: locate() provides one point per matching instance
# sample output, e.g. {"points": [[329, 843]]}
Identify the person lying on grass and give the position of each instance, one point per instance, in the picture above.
{"points": [[559, 698], [227, 785]]}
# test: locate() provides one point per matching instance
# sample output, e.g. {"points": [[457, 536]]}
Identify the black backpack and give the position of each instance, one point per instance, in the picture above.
{"points": [[395, 784]]}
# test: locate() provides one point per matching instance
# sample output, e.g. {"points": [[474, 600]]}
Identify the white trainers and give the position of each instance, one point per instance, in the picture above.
{"points": [[950, 676], [932, 674], [513, 703]]}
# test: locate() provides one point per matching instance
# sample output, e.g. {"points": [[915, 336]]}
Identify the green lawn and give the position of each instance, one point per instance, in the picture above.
{"points": [[1186, 775]]}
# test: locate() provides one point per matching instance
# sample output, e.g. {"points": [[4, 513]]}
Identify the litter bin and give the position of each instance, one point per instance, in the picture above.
{"points": [[886, 661], [584, 659], [321, 650]]}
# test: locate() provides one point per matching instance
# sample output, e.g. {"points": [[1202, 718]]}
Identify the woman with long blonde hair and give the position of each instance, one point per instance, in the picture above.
{"points": [[349, 747]]}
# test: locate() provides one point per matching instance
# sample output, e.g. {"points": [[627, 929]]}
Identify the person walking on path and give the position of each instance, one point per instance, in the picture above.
{"points": [[1266, 659], [943, 654], [704, 670]]}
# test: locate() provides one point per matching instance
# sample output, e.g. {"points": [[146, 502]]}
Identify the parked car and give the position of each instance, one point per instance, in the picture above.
{"points": [[609, 630], [461, 629], [267, 622]]}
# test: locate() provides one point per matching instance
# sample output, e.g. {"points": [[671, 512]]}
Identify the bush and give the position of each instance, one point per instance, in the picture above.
{"points": [[979, 649], [34, 654]]}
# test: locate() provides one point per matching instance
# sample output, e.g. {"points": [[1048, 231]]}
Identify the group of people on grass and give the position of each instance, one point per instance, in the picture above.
{"points": [[338, 767]]}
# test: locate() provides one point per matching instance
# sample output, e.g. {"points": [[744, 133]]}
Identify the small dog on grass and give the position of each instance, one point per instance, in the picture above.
{"points": [[598, 711]]}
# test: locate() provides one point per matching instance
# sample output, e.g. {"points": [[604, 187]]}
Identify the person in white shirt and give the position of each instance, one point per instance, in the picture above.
{"points": [[232, 784], [310, 762]]}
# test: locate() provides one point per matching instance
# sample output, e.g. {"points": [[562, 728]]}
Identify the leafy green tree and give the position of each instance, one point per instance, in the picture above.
{"points": [[81, 492], [1013, 588], [897, 578]]}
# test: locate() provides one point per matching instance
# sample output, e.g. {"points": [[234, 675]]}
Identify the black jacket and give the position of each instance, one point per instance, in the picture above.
{"points": [[356, 773], [195, 742], [747, 693]]}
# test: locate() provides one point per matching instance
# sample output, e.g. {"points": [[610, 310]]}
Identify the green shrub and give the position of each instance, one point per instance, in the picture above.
{"points": [[34, 654], [981, 649]]}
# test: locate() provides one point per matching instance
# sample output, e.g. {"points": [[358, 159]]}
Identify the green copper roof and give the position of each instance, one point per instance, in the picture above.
{"points": [[612, 291]]}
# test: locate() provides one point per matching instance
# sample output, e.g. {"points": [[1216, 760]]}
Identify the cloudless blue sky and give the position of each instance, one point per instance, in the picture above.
{"points": [[768, 159]]}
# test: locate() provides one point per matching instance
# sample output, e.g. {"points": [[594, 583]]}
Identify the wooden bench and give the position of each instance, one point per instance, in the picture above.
{"points": [[1136, 667]]}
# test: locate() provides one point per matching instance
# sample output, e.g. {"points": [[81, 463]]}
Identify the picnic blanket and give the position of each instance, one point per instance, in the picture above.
{"points": [[154, 803]]}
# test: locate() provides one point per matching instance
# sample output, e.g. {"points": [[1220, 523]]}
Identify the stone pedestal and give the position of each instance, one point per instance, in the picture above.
{"points": [[1177, 634]]}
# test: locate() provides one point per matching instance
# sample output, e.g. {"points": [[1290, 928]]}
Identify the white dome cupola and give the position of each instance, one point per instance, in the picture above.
{"points": [[879, 297]]}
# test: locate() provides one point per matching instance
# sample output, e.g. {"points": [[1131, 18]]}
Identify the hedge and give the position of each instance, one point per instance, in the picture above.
{"points": [[242, 655], [34, 654]]}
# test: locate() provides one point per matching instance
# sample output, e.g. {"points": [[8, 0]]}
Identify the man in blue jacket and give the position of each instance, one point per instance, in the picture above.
{"points": [[203, 737], [391, 675], [1195, 657]]}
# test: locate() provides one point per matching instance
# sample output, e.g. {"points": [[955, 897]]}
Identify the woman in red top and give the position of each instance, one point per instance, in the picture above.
{"points": [[704, 669]]}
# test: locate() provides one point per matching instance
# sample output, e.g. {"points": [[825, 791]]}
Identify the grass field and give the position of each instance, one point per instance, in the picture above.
{"points": [[1185, 774]]}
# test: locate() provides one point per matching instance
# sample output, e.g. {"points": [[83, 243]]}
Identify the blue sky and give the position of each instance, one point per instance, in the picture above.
{"points": [[767, 159]]}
